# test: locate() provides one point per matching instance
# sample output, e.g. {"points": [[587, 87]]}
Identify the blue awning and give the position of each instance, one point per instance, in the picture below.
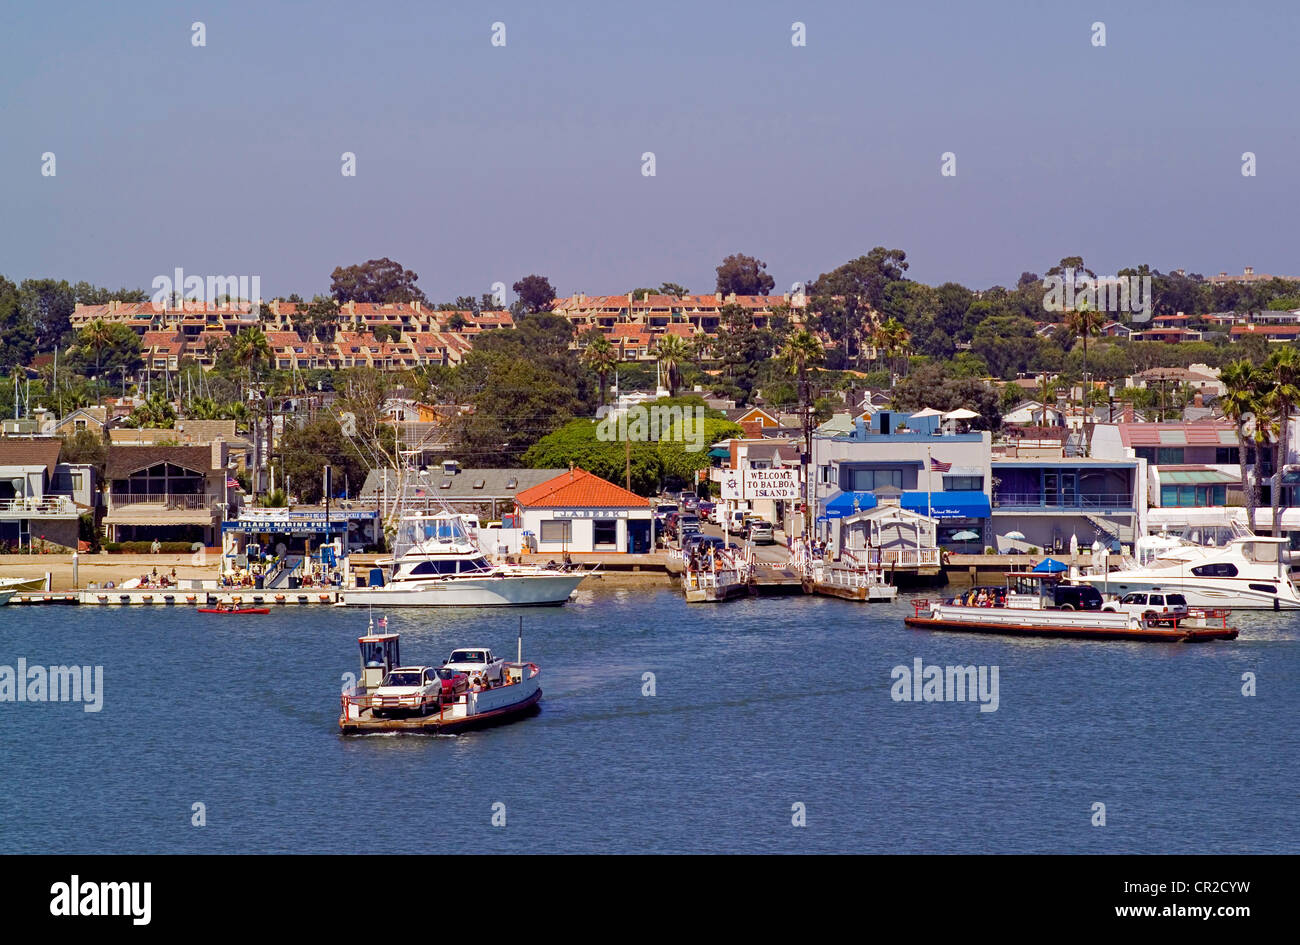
{"points": [[1050, 566], [842, 504], [961, 504]]}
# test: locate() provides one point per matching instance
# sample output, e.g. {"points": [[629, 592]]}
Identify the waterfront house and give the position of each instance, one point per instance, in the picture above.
{"points": [[487, 493], [1046, 499], [577, 511], [168, 493], [37, 493], [1189, 466], [943, 475]]}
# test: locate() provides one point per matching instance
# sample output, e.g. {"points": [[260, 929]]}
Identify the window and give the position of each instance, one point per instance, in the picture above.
{"points": [[1140, 599], [1225, 456], [605, 532], [1216, 570], [869, 480], [963, 483], [1266, 588], [1160, 455], [825, 475], [555, 531]]}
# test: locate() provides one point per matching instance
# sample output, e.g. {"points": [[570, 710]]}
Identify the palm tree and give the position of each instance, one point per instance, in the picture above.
{"points": [[894, 339], [1241, 404], [670, 352], [600, 358], [95, 335], [249, 348], [1084, 321], [801, 351], [1283, 367]]}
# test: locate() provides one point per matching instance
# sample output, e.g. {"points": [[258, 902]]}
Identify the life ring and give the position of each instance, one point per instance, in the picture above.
{"points": [[148, 598], [169, 598], [190, 598], [324, 598], [279, 598], [103, 598], [302, 598]]}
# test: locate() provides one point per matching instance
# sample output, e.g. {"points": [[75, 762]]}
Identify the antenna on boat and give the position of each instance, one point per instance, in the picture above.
{"points": [[520, 659]]}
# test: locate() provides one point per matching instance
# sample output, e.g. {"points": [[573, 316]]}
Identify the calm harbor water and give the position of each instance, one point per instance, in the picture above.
{"points": [[759, 705]]}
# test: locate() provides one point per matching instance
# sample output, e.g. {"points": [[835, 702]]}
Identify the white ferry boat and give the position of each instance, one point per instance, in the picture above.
{"points": [[1026, 608], [432, 708], [437, 564], [1250, 572]]}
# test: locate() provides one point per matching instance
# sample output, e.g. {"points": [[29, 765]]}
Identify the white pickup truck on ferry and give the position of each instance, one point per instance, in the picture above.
{"points": [[476, 662]]}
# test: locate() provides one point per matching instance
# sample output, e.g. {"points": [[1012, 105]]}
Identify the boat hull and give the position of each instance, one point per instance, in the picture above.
{"points": [[501, 591], [493, 709], [1078, 625]]}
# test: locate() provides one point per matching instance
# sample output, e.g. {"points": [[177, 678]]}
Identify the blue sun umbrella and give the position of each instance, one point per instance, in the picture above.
{"points": [[1050, 566]]}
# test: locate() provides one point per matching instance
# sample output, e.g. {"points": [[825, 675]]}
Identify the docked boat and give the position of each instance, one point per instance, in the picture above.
{"points": [[36, 585], [436, 564], [1025, 609], [5, 595], [717, 575], [1249, 572], [233, 609], [392, 698]]}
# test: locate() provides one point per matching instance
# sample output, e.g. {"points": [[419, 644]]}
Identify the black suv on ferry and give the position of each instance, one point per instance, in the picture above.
{"points": [[1077, 597]]}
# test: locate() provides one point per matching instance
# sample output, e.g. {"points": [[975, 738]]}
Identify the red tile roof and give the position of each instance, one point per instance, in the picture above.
{"points": [[578, 489], [1201, 433]]}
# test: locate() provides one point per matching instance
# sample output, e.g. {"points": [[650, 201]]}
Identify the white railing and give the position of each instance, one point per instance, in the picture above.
{"points": [[173, 501], [848, 577], [47, 505], [909, 557]]}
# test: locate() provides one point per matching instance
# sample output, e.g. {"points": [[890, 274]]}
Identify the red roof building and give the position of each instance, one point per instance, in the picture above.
{"points": [[578, 512]]}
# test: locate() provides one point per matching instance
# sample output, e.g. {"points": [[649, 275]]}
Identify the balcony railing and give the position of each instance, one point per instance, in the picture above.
{"points": [[1084, 501], [47, 505], [165, 501]]}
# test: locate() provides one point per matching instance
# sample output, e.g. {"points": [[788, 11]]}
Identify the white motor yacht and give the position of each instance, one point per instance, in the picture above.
{"points": [[437, 564], [1249, 572]]}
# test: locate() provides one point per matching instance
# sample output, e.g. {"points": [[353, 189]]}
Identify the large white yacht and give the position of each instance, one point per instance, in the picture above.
{"points": [[436, 563], [1249, 572]]}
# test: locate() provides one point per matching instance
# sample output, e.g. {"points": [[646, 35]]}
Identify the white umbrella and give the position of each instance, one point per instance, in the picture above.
{"points": [[926, 412], [960, 414], [966, 535], [1015, 536]]}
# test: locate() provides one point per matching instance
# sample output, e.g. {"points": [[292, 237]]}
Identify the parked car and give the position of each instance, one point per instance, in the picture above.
{"points": [[688, 525], [705, 510], [670, 524], [407, 690], [1077, 597], [760, 532], [1150, 606], [663, 510], [454, 683], [476, 662]]}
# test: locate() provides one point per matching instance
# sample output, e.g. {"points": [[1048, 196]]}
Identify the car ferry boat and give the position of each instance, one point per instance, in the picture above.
{"points": [[1028, 607], [391, 697], [436, 564]]}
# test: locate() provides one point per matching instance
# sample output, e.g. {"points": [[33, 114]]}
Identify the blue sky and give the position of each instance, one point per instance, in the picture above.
{"points": [[478, 164]]}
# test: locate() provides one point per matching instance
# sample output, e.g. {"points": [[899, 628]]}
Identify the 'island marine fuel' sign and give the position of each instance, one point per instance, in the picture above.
{"points": [[772, 483]]}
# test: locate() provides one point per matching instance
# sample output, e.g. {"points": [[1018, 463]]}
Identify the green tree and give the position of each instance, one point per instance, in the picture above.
{"points": [[376, 280], [743, 275], [1284, 371], [535, 293], [671, 352], [1242, 381], [601, 359]]}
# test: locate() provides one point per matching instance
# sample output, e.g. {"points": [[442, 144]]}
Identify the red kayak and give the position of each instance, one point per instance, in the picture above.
{"points": [[234, 610]]}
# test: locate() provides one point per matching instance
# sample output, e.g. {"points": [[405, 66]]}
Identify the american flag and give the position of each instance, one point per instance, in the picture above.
{"points": [[232, 482], [937, 466], [382, 623]]}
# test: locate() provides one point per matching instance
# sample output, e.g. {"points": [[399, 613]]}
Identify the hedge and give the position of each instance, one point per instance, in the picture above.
{"points": [[145, 547]]}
